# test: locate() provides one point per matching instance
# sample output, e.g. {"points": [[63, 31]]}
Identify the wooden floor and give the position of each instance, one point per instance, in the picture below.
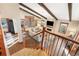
{"points": [[28, 43]]}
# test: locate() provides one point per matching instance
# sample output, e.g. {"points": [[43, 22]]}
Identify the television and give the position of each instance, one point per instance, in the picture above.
{"points": [[50, 23]]}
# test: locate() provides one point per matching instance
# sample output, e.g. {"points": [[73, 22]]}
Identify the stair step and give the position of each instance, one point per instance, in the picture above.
{"points": [[30, 52]]}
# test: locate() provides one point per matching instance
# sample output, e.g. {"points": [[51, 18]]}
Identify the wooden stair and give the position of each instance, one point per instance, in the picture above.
{"points": [[30, 52]]}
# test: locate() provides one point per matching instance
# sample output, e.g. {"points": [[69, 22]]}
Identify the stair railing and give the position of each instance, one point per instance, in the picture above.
{"points": [[57, 45]]}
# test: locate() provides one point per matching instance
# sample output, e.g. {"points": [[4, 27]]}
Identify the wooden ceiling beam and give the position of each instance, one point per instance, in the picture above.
{"points": [[32, 10], [70, 11], [43, 6], [29, 13]]}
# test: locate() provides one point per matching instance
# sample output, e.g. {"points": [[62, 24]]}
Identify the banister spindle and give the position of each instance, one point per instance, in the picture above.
{"points": [[65, 47], [76, 51], [42, 37]]}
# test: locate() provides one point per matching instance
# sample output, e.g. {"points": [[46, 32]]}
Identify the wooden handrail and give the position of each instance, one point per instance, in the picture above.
{"points": [[37, 34], [66, 38], [42, 37], [61, 36]]}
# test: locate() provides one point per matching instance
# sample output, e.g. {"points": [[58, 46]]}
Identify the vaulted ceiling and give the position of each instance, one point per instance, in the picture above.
{"points": [[57, 11]]}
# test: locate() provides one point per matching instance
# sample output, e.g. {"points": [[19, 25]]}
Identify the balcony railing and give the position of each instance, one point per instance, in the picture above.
{"points": [[58, 45]]}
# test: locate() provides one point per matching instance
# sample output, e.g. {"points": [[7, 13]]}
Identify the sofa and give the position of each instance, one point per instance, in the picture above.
{"points": [[35, 30]]}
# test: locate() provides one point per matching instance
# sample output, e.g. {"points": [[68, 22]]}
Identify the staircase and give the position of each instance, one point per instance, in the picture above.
{"points": [[52, 44], [55, 44]]}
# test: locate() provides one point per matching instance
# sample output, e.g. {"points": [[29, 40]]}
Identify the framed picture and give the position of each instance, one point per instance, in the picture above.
{"points": [[63, 27]]}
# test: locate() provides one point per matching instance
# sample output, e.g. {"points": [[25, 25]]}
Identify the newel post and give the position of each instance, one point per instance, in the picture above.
{"points": [[43, 32]]}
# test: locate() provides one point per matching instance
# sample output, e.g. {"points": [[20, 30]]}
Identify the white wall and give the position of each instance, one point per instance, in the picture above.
{"points": [[23, 14], [73, 26], [11, 10]]}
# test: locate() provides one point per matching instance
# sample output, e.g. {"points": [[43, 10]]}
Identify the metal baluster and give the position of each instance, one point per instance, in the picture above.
{"points": [[56, 45], [64, 48], [59, 47], [76, 51], [45, 41], [48, 43], [43, 32], [53, 44]]}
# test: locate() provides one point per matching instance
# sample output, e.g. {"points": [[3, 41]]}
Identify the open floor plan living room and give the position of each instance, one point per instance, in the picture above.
{"points": [[39, 29]]}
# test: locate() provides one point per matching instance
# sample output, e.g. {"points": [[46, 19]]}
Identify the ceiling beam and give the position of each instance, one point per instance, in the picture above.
{"points": [[70, 11], [42, 5], [32, 10], [29, 13]]}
